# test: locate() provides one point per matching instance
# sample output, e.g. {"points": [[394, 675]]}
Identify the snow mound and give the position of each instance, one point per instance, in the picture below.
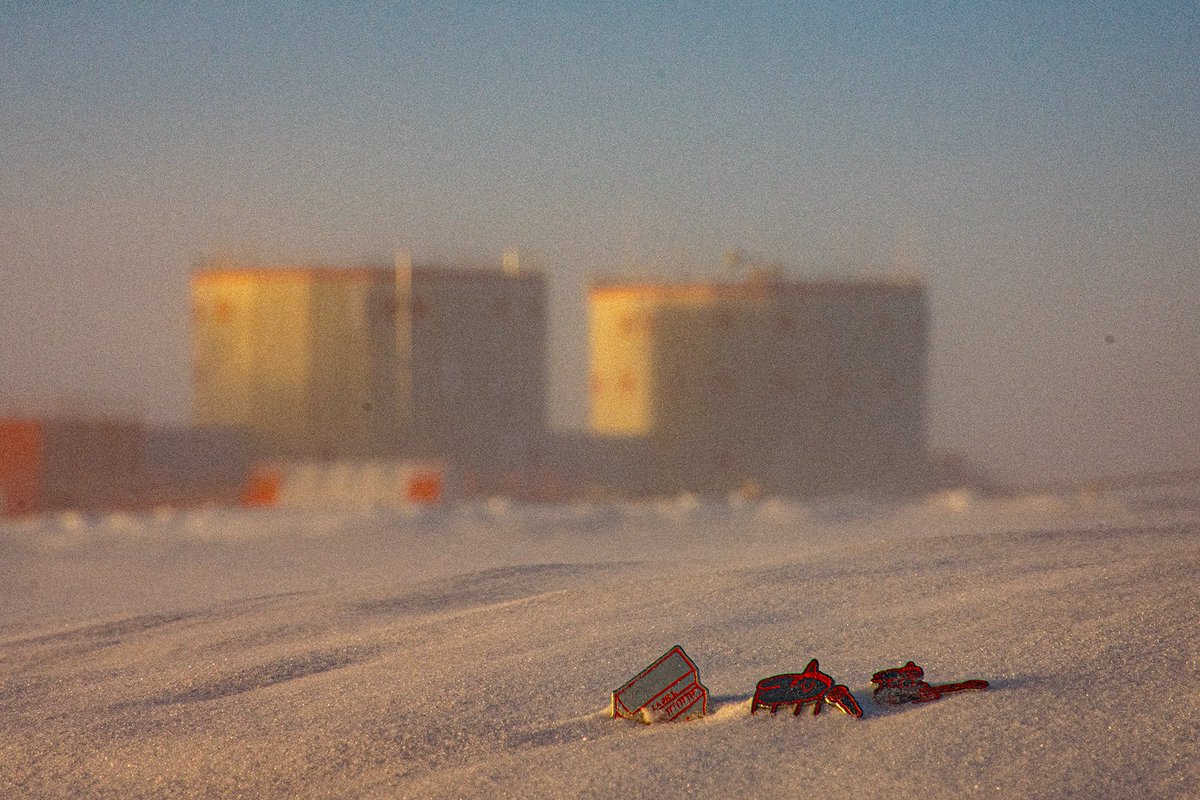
{"points": [[470, 651]]}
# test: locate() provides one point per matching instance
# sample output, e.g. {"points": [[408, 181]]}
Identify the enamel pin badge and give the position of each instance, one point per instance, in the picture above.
{"points": [[796, 689], [905, 685], [667, 690]]}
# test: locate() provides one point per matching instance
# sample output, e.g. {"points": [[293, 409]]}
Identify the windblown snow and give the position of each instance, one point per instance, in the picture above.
{"points": [[470, 650]]}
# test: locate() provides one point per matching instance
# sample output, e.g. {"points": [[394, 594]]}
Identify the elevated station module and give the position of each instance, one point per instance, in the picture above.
{"points": [[373, 361], [799, 387]]}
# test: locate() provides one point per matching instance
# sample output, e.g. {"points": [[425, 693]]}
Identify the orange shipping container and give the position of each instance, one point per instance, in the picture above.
{"points": [[48, 464], [21, 465]]}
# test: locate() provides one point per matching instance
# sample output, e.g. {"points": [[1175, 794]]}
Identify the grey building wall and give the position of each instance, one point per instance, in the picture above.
{"points": [[478, 360], [374, 361], [789, 386]]}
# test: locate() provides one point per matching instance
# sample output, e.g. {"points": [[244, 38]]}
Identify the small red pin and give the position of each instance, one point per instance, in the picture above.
{"points": [[905, 685]]}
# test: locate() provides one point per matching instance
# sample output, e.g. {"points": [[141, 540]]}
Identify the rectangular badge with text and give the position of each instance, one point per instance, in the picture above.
{"points": [[669, 689]]}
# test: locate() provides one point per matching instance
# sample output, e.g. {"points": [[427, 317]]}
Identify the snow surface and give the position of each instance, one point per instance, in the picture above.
{"points": [[469, 651]]}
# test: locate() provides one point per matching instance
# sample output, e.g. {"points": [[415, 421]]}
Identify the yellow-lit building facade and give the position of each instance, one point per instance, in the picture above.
{"points": [[378, 361], [782, 385]]}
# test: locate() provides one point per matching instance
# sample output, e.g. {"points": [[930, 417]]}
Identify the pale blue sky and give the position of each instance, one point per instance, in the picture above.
{"points": [[1038, 164]]}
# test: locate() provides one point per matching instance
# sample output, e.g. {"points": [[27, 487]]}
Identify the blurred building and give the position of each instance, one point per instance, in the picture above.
{"points": [[357, 484], [375, 361], [50, 464], [188, 465], [763, 383]]}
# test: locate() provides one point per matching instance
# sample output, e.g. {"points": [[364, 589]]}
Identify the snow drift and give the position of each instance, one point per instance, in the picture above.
{"points": [[469, 651]]}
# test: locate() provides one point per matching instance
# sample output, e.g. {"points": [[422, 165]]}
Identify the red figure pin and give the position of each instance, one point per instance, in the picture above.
{"points": [[905, 685], [796, 689]]}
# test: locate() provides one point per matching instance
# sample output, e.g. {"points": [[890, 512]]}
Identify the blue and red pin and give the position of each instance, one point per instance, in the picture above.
{"points": [[799, 688]]}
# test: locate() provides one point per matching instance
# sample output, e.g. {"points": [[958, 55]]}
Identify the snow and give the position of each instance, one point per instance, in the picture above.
{"points": [[469, 651]]}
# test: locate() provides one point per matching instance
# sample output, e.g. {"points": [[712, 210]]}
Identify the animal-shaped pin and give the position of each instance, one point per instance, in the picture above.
{"points": [[904, 685], [796, 689]]}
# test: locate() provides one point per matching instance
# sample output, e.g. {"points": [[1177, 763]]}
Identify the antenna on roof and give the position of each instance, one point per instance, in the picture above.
{"points": [[511, 262], [402, 260], [731, 260]]}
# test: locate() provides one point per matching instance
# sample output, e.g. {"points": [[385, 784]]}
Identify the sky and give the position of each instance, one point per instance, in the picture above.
{"points": [[1037, 164]]}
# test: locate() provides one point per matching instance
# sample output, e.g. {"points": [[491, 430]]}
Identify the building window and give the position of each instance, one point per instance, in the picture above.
{"points": [[627, 324], [781, 381], [385, 308], [840, 384]]}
